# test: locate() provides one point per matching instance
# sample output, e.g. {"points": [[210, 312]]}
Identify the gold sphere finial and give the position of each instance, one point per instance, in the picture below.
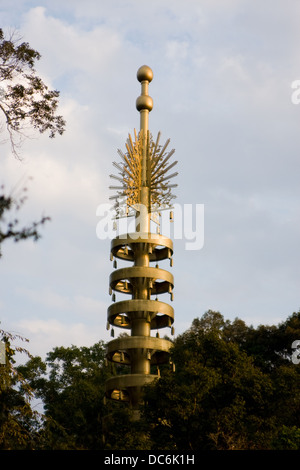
{"points": [[144, 101], [144, 73]]}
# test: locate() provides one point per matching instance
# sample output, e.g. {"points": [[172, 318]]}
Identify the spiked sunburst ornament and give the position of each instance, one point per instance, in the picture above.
{"points": [[156, 175]]}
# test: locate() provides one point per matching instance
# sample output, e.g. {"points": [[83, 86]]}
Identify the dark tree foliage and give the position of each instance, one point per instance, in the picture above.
{"points": [[25, 100], [71, 387], [234, 388], [19, 423], [9, 228]]}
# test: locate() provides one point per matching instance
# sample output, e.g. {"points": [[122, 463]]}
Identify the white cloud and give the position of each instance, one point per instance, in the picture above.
{"points": [[70, 48], [77, 305], [44, 335], [176, 50]]}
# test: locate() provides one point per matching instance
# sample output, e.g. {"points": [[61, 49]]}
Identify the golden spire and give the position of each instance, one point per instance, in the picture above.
{"points": [[144, 189]]}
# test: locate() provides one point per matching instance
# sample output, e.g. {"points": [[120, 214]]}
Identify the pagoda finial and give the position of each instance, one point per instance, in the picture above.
{"points": [[143, 190]]}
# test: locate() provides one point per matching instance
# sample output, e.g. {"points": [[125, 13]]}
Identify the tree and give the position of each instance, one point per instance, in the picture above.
{"points": [[25, 103], [220, 396], [9, 229], [25, 100], [72, 389], [121, 432], [271, 345], [71, 385], [19, 424]]}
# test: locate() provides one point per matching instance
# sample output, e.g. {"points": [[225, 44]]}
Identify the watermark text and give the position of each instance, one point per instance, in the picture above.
{"points": [[186, 223]]}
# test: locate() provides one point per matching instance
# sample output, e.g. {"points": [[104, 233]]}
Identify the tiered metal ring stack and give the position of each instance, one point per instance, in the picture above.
{"points": [[141, 314]]}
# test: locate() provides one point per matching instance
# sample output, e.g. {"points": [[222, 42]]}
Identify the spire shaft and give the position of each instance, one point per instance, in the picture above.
{"points": [[144, 105]]}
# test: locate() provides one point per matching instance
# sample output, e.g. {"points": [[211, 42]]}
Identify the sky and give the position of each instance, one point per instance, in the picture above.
{"points": [[223, 93]]}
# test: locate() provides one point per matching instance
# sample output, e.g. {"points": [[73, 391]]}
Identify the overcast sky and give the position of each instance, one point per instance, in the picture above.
{"points": [[222, 92]]}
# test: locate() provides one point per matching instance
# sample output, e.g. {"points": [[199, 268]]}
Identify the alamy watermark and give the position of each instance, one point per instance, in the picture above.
{"points": [[296, 353], [186, 223], [295, 96]]}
